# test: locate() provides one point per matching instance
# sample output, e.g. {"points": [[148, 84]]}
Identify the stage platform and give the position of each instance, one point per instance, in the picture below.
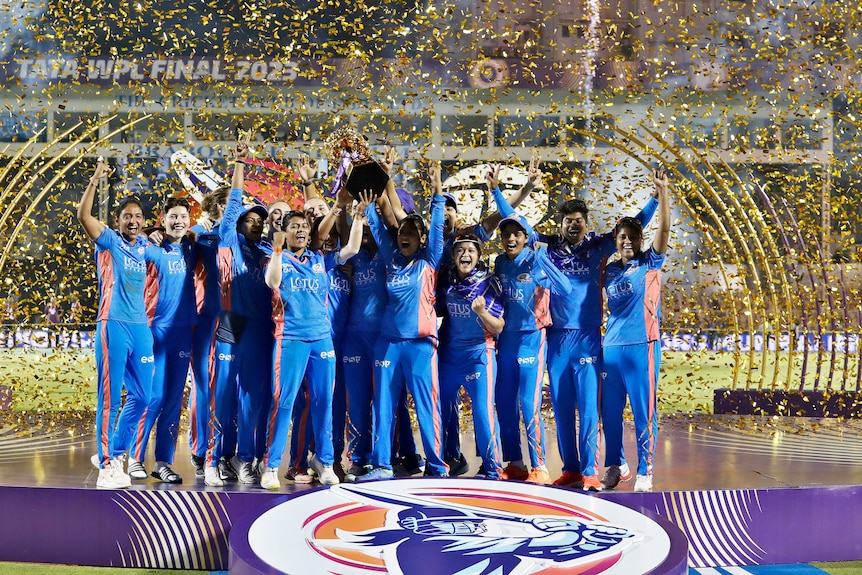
{"points": [[744, 490]]}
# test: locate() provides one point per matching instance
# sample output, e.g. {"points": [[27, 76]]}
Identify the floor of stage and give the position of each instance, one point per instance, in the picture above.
{"points": [[693, 453]]}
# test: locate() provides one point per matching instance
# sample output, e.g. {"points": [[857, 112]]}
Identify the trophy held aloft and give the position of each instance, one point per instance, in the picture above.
{"points": [[357, 170]]}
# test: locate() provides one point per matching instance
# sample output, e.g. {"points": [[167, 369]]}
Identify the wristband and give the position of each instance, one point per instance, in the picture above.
{"points": [[277, 250]]}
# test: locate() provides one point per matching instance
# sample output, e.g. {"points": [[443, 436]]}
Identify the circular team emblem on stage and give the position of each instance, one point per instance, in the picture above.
{"points": [[444, 526]]}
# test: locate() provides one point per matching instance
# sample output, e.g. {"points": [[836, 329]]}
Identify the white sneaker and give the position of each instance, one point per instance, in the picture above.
{"points": [[120, 476], [269, 478], [94, 459], [325, 474], [244, 470], [110, 479], [643, 483], [211, 477]]}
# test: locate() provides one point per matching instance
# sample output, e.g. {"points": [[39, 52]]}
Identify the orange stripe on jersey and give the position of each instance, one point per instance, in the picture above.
{"points": [[277, 314], [139, 436], [106, 395], [225, 267], [489, 411], [652, 295], [653, 384], [151, 291], [276, 397], [105, 266], [542, 307], [536, 416], [435, 404], [213, 422], [200, 284], [426, 323]]}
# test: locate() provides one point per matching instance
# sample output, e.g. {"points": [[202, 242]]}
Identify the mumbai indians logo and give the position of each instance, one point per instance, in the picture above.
{"points": [[464, 527]]}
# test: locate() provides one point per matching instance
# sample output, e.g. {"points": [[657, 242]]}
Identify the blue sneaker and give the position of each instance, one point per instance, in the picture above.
{"points": [[376, 474]]}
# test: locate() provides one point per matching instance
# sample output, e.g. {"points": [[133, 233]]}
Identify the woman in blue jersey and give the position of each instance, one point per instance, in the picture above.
{"points": [[170, 300], [574, 340], [303, 346], [472, 310], [124, 343], [528, 277], [406, 353], [632, 345], [203, 335], [243, 352]]}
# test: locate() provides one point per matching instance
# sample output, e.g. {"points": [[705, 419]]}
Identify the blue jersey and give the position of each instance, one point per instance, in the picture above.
{"points": [[206, 271], [478, 230], [299, 309], [461, 327], [634, 296], [122, 270], [339, 301], [170, 291], [368, 292], [527, 283], [410, 283], [241, 266], [583, 265]]}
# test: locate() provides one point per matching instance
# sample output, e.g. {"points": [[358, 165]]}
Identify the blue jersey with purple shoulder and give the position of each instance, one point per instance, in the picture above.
{"points": [[368, 292], [527, 282], [206, 271], [461, 327], [583, 265], [410, 282], [170, 293], [478, 229], [299, 308], [634, 298], [241, 266], [122, 271]]}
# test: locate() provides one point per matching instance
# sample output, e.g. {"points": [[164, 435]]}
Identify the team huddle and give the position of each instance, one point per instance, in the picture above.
{"points": [[314, 326]]}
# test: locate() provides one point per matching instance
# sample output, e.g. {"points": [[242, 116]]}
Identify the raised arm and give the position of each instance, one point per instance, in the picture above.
{"points": [[506, 206], [92, 226], [234, 201], [337, 216], [397, 210], [354, 244], [662, 235], [438, 208], [648, 211], [385, 245], [546, 273], [272, 275], [307, 172]]}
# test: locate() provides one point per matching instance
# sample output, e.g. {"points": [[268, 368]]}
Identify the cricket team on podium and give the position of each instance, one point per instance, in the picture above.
{"points": [[313, 326]]}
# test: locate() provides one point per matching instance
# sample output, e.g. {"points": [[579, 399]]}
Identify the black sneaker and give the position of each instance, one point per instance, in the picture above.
{"points": [[225, 471], [198, 464], [413, 464], [458, 466]]}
